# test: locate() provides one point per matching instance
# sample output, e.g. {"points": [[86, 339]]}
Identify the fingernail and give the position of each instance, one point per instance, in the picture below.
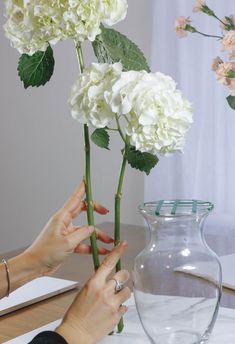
{"points": [[124, 243], [91, 229]]}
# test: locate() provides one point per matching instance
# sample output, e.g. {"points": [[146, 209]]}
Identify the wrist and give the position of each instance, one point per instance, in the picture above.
{"points": [[31, 264], [22, 269], [73, 335], [34, 261]]}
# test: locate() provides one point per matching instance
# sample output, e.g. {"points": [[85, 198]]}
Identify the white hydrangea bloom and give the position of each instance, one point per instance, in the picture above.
{"points": [[88, 100], [82, 19], [158, 115], [32, 24], [114, 11]]}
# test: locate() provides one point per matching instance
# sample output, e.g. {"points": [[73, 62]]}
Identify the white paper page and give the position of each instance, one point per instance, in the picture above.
{"points": [[34, 291], [223, 332], [228, 272]]}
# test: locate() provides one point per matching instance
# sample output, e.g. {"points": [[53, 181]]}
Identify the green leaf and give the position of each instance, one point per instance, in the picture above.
{"points": [[101, 138], [231, 74], [36, 70], [141, 161], [111, 46], [231, 101]]}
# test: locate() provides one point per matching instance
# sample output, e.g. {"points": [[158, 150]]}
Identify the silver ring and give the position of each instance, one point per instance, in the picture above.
{"points": [[119, 285]]}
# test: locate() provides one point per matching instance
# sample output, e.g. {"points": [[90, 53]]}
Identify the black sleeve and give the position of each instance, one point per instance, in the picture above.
{"points": [[48, 337]]}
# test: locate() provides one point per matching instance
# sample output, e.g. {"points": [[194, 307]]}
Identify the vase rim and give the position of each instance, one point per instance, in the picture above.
{"points": [[176, 207]]}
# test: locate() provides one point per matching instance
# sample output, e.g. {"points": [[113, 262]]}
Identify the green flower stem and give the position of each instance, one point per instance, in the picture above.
{"points": [[119, 129], [80, 58], [206, 35], [221, 21], [118, 198], [112, 129], [89, 199], [117, 229], [192, 29]]}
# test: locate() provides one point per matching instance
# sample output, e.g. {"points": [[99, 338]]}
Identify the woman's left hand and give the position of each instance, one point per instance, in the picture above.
{"points": [[60, 237]]}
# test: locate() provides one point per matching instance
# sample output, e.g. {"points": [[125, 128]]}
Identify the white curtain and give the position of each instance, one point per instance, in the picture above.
{"points": [[206, 170]]}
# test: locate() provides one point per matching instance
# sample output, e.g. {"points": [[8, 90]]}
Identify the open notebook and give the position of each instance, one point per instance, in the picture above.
{"points": [[34, 291], [228, 271]]}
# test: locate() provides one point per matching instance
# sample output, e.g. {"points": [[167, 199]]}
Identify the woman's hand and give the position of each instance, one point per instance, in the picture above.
{"points": [[60, 237], [97, 308]]}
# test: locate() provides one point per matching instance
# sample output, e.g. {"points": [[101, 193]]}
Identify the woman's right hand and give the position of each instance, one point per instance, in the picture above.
{"points": [[97, 308]]}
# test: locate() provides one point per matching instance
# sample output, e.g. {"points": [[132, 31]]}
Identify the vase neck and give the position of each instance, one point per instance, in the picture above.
{"points": [[176, 220], [176, 230]]}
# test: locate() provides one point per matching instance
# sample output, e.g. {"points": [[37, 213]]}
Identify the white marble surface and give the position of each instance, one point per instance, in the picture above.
{"points": [[224, 331]]}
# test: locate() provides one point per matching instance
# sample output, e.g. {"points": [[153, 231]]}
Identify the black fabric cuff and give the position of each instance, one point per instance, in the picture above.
{"points": [[48, 337]]}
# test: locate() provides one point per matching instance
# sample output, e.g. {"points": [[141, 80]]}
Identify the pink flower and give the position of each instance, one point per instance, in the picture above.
{"points": [[180, 25], [198, 5], [215, 64], [228, 43], [222, 74]]}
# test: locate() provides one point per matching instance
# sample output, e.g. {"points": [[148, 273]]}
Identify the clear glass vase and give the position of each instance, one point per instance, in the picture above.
{"points": [[177, 277]]}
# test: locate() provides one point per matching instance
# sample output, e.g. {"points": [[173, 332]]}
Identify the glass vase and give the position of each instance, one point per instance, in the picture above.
{"points": [[177, 277]]}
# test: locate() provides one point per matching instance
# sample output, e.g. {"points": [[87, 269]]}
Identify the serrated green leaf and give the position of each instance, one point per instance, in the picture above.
{"points": [[111, 46], [231, 101], [143, 162], [36, 70], [231, 74], [101, 138]]}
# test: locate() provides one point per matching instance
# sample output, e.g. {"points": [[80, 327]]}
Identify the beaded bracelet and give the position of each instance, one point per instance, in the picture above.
{"points": [[8, 277]]}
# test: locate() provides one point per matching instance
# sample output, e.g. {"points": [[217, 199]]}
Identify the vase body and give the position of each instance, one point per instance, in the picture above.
{"points": [[177, 277]]}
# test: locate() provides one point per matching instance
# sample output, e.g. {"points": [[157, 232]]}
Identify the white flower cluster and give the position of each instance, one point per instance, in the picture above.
{"points": [[32, 24], [89, 97], [157, 115]]}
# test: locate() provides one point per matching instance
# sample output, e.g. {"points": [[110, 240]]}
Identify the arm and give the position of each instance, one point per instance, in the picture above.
{"points": [[22, 269], [58, 239]]}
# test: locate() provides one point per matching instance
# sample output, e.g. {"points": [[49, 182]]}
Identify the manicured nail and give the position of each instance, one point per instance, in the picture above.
{"points": [[91, 229], [126, 309], [122, 243]]}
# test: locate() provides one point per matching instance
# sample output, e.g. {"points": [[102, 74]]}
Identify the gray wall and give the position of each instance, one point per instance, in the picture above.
{"points": [[41, 146]]}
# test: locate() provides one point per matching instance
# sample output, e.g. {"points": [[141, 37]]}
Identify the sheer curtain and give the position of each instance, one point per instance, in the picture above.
{"points": [[206, 169]]}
